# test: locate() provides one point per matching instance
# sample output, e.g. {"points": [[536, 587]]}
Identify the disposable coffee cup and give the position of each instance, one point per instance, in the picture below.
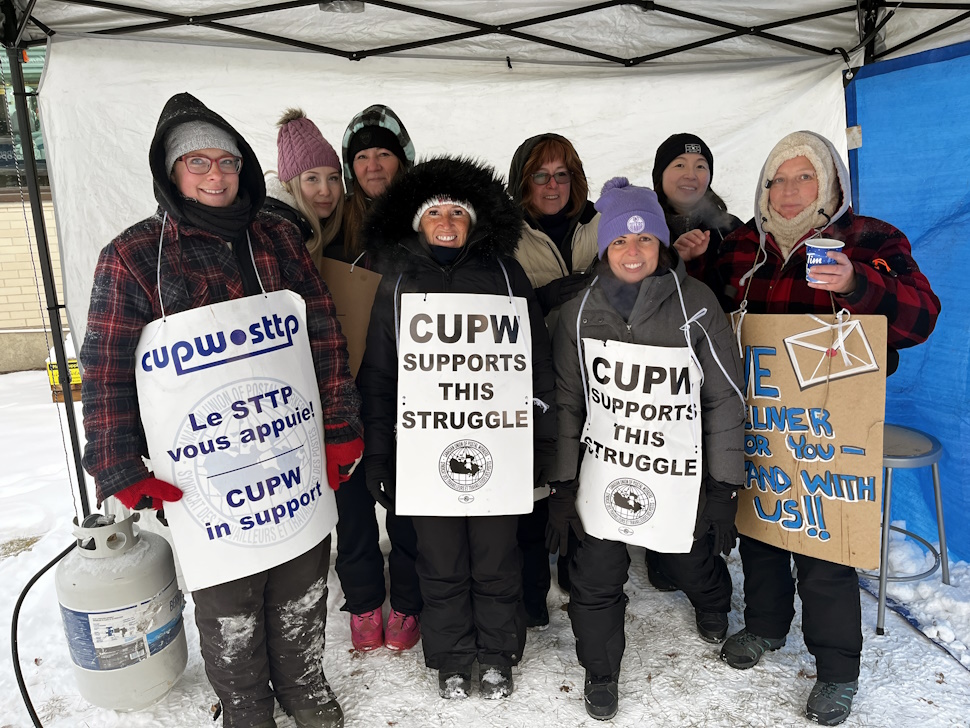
{"points": [[816, 253]]}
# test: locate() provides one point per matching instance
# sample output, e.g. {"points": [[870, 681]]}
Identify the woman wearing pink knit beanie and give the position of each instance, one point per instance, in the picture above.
{"points": [[310, 193], [309, 189]]}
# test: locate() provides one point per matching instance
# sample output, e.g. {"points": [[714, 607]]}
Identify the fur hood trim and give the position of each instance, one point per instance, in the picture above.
{"points": [[499, 220], [276, 190]]}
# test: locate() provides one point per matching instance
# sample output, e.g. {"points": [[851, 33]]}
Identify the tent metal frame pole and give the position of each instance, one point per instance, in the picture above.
{"points": [[925, 34], [476, 28], [14, 55]]}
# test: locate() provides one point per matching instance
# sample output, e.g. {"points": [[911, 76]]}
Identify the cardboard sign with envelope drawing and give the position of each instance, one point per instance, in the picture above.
{"points": [[816, 395]]}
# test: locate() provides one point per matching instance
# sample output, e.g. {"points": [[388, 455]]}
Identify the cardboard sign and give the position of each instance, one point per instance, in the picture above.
{"points": [[231, 410], [464, 416], [816, 400], [641, 473], [353, 289]]}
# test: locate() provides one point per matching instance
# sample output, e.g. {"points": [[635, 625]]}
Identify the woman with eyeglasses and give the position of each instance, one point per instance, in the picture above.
{"points": [[558, 241], [556, 246], [804, 192], [209, 243]]}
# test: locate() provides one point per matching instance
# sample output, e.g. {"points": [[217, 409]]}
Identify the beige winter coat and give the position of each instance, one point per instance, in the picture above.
{"points": [[543, 262]]}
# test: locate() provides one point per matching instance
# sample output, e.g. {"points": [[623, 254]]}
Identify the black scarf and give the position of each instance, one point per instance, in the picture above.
{"points": [[229, 223], [623, 296], [444, 256], [557, 228]]}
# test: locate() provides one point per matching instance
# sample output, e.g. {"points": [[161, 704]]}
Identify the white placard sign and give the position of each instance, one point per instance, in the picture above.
{"points": [[464, 415], [231, 409], [641, 471]]}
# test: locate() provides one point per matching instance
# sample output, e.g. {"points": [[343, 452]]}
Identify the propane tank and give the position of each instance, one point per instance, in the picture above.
{"points": [[122, 612]]}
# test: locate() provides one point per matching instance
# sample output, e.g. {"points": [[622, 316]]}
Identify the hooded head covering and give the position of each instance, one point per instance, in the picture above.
{"points": [[521, 156], [499, 220], [184, 108], [817, 215], [375, 126], [625, 208], [300, 146]]}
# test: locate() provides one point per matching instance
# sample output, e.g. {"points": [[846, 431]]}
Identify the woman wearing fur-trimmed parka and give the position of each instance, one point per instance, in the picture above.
{"points": [[642, 295], [448, 227], [262, 636]]}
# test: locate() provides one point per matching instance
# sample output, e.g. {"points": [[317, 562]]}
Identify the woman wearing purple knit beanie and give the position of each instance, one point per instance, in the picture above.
{"points": [[634, 465]]}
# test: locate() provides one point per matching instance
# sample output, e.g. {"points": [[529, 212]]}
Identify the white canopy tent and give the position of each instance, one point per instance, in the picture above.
{"points": [[475, 78]]}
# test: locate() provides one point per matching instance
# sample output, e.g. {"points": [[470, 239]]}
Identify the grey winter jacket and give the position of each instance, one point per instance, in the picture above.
{"points": [[655, 320]]}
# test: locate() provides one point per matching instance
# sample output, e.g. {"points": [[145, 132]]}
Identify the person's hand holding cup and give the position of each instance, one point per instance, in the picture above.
{"points": [[827, 267]]}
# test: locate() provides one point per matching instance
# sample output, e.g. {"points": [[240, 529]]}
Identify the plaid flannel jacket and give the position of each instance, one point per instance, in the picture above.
{"points": [[889, 281], [198, 269]]}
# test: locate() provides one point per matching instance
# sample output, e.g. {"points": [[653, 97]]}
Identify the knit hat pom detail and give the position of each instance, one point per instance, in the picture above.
{"points": [[290, 115], [614, 184], [625, 209]]}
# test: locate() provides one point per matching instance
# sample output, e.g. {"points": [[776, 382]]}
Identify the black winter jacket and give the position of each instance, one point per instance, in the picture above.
{"points": [[408, 266]]}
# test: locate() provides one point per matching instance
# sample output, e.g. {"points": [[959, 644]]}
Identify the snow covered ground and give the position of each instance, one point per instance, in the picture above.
{"points": [[669, 676]]}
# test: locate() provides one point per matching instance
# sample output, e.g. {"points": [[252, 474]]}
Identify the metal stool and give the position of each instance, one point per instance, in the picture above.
{"points": [[904, 447]]}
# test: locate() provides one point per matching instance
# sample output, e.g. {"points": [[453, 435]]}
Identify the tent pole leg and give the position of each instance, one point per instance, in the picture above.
{"points": [[47, 269]]}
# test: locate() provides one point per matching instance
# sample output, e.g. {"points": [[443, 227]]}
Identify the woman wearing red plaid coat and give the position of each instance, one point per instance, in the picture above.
{"points": [[803, 193], [209, 242]]}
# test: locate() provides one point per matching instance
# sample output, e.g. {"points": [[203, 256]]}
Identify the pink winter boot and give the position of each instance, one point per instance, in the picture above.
{"points": [[403, 631], [367, 630]]}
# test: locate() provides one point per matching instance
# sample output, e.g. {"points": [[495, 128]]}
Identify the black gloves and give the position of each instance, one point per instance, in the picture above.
{"points": [[718, 515], [560, 290], [563, 516], [379, 473]]}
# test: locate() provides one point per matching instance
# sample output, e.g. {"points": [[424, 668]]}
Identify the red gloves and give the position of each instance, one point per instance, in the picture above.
{"points": [[341, 461], [150, 488]]}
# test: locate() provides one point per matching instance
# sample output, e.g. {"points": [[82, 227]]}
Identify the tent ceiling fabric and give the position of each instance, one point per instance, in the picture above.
{"points": [[567, 31]]}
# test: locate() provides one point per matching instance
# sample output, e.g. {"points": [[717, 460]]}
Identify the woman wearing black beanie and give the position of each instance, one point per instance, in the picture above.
{"points": [[697, 217]]}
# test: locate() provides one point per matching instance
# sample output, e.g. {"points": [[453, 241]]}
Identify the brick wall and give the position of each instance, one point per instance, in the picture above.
{"points": [[21, 305]]}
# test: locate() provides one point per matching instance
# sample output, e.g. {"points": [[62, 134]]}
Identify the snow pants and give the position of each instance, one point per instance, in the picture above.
{"points": [[701, 574], [536, 576], [360, 563], [470, 571], [597, 574], [268, 627], [831, 612], [596, 604]]}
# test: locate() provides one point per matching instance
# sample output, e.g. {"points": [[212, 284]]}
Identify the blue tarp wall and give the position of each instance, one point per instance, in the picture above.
{"points": [[913, 170]]}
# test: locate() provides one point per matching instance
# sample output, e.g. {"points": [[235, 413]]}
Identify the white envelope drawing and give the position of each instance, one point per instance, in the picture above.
{"points": [[827, 353]]}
